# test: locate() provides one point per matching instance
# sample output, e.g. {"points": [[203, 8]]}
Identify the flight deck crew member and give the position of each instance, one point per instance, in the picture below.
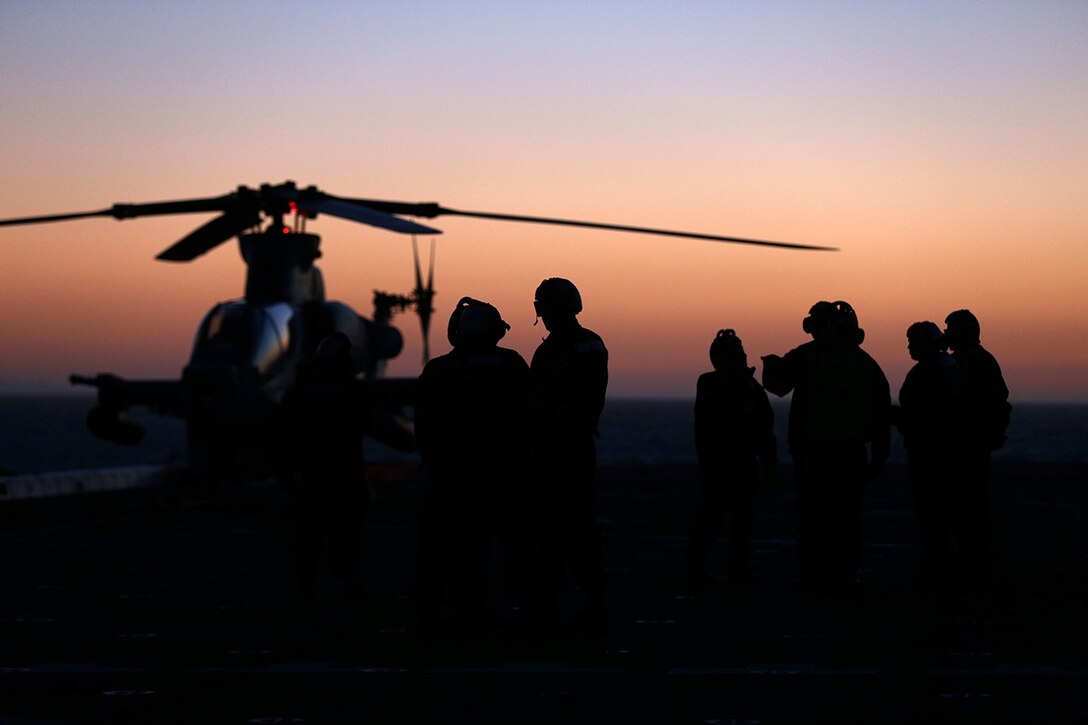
{"points": [[569, 374], [735, 444], [841, 404], [324, 424], [987, 411], [469, 412], [930, 417]]}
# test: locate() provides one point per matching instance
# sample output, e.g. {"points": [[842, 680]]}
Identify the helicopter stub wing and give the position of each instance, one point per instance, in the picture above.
{"points": [[163, 396], [116, 395]]}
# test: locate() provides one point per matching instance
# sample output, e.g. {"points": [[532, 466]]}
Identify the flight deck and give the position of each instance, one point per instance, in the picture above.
{"points": [[140, 607]]}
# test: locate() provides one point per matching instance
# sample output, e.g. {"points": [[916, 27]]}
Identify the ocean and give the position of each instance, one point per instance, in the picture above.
{"points": [[47, 433]]}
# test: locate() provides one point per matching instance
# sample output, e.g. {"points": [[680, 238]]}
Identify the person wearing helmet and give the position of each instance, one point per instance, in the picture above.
{"points": [[838, 431], [470, 405], [987, 411], [324, 422], [569, 373], [930, 418], [735, 444]]}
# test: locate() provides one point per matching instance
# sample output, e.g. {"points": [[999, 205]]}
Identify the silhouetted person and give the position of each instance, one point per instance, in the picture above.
{"points": [[841, 404], [930, 417], [987, 411], [569, 379], [469, 413], [324, 425], [735, 443]]}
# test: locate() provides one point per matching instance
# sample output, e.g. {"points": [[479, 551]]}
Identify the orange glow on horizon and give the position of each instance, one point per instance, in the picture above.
{"points": [[657, 305], [944, 155]]}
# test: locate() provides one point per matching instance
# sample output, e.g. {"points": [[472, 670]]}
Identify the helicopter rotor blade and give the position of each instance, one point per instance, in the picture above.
{"points": [[131, 211], [423, 296], [378, 213], [54, 217], [637, 230], [425, 326], [363, 215], [429, 302], [224, 203], [210, 235], [426, 209], [415, 262], [430, 271], [430, 210]]}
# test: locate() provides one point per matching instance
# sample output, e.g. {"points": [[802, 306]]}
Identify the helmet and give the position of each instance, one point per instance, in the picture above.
{"points": [[557, 296], [833, 321], [844, 324], [727, 351], [962, 327], [475, 321], [818, 316]]}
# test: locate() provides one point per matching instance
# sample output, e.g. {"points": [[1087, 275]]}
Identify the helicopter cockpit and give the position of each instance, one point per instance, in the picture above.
{"points": [[257, 336]]}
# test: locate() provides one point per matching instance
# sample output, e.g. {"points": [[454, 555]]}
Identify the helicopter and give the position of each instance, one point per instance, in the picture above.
{"points": [[247, 351]]}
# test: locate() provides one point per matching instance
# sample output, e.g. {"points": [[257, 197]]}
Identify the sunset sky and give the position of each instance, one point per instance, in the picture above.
{"points": [[942, 146]]}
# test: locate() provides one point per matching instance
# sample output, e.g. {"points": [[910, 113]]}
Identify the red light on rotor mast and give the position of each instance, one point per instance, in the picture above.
{"points": [[293, 206], [285, 230]]}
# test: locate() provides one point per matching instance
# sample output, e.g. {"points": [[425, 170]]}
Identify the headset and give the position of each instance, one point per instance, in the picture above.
{"points": [[835, 319], [475, 319]]}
